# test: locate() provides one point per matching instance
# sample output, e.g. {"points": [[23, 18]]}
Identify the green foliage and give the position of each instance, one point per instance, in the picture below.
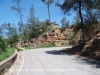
{"points": [[48, 2], [66, 44], [19, 10], [72, 38], [7, 53], [35, 27], [11, 34], [80, 6], [45, 36], [47, 45], [65, 23], [18, 49], [31, 19], [45, 25], [26, 47], [35, 31], [73, 5], [11, 40], [2, 45], [90, 24]]}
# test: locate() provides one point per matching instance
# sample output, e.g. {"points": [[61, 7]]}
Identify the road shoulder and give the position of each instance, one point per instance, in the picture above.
{"points": [[14, 70]]}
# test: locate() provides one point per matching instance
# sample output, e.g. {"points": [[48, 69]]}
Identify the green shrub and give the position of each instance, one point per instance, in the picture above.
{"points": [[47, 45], [11, 40], [52, 44], [7, 53], [27, 47], [66, 44], [2, 45]]}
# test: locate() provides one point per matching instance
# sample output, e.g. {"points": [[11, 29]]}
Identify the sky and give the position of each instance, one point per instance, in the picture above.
{"points": [[41, 12]]}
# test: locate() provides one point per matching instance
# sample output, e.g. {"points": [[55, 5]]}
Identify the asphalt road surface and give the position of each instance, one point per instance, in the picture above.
{"points": [[52, 61]]}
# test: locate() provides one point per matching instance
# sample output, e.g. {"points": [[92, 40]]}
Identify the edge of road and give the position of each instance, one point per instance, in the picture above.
{"points": [[20, 66], [17, 65]]}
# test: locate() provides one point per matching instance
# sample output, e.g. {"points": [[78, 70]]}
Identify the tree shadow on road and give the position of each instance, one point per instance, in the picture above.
{"points": [[68, 51], [78, 58], [89, 61], [57, 52]]}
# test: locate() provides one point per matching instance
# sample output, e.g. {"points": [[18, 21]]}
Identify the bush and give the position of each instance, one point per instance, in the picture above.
{"points": [[7, 53], [65, 44], [27, 47], [47, 45], [11, 40], [52, 44], [2, 45]]}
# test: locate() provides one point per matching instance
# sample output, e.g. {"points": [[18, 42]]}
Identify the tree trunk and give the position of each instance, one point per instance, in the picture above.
{"points": [[80, 13], [19, 11], [21, 22], [49, 16], [22, 29]]}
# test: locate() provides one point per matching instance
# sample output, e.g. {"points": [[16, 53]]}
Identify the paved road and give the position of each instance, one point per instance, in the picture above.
{"points": [[52, 61]]}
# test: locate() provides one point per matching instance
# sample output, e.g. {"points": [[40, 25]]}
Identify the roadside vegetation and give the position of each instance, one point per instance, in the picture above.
{"points": [[41, 46], [47, 45], [7, 53]]}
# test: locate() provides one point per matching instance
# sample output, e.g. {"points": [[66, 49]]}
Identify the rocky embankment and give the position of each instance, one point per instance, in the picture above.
{"points": [[90, 50]]}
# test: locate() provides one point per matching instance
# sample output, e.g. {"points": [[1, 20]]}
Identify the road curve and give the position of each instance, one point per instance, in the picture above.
{"points": [[52, 61]]}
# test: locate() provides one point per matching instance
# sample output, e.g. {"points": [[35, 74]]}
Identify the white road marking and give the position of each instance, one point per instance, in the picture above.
{"points": [[21, 66]]}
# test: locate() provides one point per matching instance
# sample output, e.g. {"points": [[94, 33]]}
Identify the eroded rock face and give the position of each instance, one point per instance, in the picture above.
{"points": [[56, 36], [18, 44], [67, 31], [92, 47]]}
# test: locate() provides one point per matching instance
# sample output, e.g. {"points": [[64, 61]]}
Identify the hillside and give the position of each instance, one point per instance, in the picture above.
{"points": [[90, 50]]}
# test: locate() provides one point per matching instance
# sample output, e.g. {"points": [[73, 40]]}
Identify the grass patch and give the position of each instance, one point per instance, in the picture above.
{"points": [[18, 49], [42, 46], [27, 47], [47, 45], [6, 54], [66, 44]]}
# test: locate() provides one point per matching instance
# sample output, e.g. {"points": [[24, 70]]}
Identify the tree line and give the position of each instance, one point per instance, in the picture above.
{"points": [[87, 10], [10, 33]]}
